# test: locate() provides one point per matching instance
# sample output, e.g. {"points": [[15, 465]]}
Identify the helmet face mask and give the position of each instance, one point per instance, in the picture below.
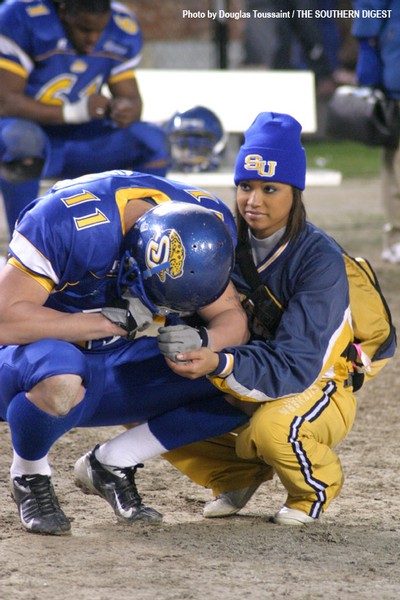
{"points": [[181, 258], [192, 151], [197, 140]]}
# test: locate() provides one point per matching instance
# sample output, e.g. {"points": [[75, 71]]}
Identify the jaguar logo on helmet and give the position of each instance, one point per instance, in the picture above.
{"points": [[180, 258], [168, 253]]}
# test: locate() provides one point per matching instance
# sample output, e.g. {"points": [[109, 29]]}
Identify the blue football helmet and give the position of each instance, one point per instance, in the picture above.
{"points": [[181, 258], [196, 139]]}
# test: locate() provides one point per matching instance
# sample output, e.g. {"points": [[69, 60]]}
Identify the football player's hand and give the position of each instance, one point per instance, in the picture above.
{"points": [[122, 111], [99, 106], [175, 339], [128, 313]]}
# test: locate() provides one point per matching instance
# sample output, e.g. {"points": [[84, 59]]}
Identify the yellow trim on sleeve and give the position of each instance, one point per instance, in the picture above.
{"points": [[122, 76], [12, 67], [46, 283]]}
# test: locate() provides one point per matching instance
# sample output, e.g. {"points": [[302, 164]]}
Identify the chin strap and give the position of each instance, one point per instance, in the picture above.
{"points": [[130, 276], [157, 269]]}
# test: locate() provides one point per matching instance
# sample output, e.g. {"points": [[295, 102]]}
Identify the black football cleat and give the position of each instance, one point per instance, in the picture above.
{"points": [[116, 485], [38, 506]]}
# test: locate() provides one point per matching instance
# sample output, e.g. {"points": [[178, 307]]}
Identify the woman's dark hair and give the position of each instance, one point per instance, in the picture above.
{"points": [[295, 225]]}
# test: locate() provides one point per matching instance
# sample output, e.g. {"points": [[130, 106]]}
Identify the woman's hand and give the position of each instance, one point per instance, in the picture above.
{"points": [[195, 364]]}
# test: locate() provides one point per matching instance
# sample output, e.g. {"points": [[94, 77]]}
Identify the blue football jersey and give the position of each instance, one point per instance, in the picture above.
{"points": [[34, 45], [71, 240]]}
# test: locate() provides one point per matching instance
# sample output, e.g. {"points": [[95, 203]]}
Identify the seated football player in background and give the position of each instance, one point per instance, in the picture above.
{"points": [[57, 59]]}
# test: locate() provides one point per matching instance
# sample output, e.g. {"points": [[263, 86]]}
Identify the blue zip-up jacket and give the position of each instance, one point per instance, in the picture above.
{"points": [[309, 279]]}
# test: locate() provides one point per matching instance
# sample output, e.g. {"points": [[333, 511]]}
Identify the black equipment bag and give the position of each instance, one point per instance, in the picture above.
{"points": [[364, 115]]}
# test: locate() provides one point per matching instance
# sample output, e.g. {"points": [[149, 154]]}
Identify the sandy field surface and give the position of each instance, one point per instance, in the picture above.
{"points": [[353, 552]]}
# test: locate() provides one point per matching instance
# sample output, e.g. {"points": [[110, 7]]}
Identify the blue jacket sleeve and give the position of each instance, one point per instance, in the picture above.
{"points": [[314, 330]]}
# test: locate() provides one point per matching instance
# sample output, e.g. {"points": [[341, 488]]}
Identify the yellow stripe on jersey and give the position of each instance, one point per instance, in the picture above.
{"points": [[40, 266], [130, 74], [125, 195], [47, 284], [37, 11], [127, 24], [12, 67]]}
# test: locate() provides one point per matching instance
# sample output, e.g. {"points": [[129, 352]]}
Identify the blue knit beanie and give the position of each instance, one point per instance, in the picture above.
{"points": [[272, 151]]}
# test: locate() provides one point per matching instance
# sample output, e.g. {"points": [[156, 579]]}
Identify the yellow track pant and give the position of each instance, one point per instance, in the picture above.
{"points": [[293, 437]]}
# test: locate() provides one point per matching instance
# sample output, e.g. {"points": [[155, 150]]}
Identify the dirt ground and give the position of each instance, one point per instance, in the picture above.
{"points": [[353, 552]]}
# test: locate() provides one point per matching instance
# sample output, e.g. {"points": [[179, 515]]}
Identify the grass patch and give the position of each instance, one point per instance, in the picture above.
{"points": [[351, 159]]}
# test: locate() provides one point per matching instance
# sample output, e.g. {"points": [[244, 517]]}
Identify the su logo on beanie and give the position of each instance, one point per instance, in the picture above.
{"points": [[272, 151]]}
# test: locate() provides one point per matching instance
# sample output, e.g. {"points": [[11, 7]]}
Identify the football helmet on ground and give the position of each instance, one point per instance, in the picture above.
{"points": [[196, 139]]}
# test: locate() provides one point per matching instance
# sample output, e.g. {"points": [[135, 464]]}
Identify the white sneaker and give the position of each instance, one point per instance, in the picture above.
{"points": [[391, 254], [229, 503], [291, 516]]}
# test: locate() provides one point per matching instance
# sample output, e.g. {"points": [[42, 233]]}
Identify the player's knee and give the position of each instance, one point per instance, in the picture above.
{"points": [[57, 395], [24, 146], [56, 375]]}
